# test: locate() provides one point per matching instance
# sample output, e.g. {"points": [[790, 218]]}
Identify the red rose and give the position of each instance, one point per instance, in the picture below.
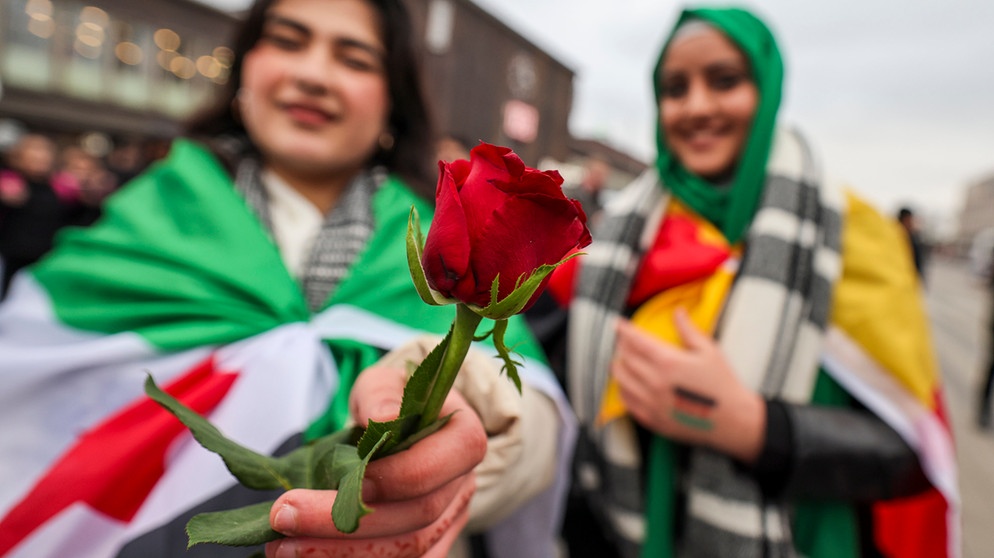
{"points": [[495, 216]]}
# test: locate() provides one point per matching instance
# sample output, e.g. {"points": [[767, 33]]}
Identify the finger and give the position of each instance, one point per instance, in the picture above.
{"points": [[636, 341], [692, 338], [404, 545], [434, 461], [304, 512], [376, 394], [444, 545]]}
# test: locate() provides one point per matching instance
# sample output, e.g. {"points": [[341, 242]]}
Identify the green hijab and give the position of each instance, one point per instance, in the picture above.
{"points": [[730, 209]]}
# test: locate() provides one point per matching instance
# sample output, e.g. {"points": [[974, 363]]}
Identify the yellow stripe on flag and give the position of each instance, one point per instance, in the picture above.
{"points": [[703, 300], [878, 301]]}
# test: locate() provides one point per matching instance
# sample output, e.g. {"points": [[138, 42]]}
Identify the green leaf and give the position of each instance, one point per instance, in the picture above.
{"points": [[522, 293], [398, 428], [415, 248], [510, 365], [349, 508], [247, 526], [252, 469], [332, 466], [416, 437], [421, 381], [305, 463]]}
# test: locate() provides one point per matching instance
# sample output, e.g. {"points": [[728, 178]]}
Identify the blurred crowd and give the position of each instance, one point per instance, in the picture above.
{"points": [[47, 183]]}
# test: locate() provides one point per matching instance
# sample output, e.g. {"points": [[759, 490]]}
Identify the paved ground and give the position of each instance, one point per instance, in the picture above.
{"points": [[960, 307]]}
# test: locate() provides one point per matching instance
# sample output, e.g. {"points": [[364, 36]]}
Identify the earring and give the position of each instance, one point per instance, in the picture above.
{"points": [[236, 107], [386, 141]]}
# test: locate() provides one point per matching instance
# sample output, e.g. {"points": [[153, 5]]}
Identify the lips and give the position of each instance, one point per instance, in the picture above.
{"points": [[703, 139], [308, 114]]}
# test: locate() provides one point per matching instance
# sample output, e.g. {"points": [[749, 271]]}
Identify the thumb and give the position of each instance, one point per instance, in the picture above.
{"points": [[692, 338], [376, 394]]}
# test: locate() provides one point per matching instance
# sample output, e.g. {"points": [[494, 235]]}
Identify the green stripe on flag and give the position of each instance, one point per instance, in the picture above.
{"points": [[165, 262]]}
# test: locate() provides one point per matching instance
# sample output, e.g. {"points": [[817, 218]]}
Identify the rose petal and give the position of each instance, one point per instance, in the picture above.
{"points": [[447, 248], [460, 170], [525, 232]]}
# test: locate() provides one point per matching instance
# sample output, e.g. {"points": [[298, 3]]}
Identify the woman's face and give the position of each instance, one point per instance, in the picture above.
{"points": [[708, 101], [314, 95]]}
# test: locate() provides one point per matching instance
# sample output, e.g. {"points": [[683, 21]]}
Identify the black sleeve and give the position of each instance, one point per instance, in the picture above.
{"points": [[835, 453]]}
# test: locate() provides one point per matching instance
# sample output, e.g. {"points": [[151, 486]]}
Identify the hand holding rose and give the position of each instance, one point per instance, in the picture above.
{"points": [[420, 496]]}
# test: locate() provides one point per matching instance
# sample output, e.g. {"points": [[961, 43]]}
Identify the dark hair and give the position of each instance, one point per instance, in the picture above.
{"points": [[904, 213], [410, 122]]}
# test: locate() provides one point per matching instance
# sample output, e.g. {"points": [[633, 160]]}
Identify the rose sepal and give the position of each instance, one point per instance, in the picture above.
{"points": [[516, 301], [415, 248]]}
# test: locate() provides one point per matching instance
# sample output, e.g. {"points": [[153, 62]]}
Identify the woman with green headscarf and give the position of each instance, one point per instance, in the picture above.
{"points": [[747, 350]]}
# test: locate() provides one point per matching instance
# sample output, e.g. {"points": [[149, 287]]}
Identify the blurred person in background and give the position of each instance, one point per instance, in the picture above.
{"points": [[746, 348], [126, 160], [269, 246], [90, 182], [909, 222], [451, 148], [34, 204], [984, 406], [589, 191]]}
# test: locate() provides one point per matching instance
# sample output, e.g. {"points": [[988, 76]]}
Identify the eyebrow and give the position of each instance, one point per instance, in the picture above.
{"points": [[347, 42], [287, 22], [730, 63]]}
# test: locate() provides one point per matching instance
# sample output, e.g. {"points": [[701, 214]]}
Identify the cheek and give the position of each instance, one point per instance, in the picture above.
{"points": [[259, 73], [668, 118], [742, 106], [373, 98]]}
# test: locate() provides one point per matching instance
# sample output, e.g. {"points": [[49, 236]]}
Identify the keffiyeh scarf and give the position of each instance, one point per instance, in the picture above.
{"points": [[343, 234]]}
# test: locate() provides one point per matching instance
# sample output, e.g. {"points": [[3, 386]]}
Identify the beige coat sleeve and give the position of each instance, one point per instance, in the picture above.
{"points": [[522, 431]]}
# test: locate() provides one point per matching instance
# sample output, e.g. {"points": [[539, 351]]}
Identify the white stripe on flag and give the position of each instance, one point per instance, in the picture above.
{"points": [[861, 376], [57, 382]]}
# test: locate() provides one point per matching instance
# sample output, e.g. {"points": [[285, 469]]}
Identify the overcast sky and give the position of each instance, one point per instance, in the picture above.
{"points": [[897, 94]]}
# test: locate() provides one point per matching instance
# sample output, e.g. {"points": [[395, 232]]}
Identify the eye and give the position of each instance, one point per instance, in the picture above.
{"points": [[282, 40], [725, 81], [360, 59], [673, 88]]}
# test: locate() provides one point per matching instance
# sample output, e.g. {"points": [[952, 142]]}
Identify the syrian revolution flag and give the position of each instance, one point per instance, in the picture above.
{"points": [[180, 281]]}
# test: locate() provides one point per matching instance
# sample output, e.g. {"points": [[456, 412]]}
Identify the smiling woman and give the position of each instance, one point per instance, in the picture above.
{"points": [[260, 274], [741, 336], [314, 94], [708, 99]]}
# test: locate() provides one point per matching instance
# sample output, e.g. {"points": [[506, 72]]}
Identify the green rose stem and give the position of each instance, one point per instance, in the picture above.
{"points": [[463, 332]]}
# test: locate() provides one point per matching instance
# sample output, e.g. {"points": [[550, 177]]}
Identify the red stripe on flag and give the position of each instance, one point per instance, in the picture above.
{"points": [[912, 527], [115, 465], [915, 527]]}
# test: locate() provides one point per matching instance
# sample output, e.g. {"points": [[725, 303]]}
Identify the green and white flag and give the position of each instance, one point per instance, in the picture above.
{"points": [[180, 280]]}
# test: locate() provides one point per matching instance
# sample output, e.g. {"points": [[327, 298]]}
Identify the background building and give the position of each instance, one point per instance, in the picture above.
{"points": [[118, 67], [975, 236], [490, 83], [124, 68], [978, 209]]}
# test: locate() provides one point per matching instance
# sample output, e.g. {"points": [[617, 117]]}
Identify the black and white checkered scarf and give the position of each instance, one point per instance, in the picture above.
{"points": [[771, 330], [343, 234]]}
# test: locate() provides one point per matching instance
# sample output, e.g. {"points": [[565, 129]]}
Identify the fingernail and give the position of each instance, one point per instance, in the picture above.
{"points": [[386, 411], [285, 549], [286, 521]]}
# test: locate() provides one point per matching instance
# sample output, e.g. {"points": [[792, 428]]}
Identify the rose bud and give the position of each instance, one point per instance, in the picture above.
{"points": [[496, 217]]}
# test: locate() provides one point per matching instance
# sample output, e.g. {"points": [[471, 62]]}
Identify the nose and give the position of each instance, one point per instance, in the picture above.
{"points": [[700, 99], [312, 71]]}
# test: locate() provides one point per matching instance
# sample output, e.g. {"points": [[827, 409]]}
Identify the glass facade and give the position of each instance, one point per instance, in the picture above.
{"points": [[71, 48]]}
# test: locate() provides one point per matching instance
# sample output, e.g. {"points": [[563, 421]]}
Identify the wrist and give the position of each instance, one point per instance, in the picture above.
{"points": [[742, 433]]}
